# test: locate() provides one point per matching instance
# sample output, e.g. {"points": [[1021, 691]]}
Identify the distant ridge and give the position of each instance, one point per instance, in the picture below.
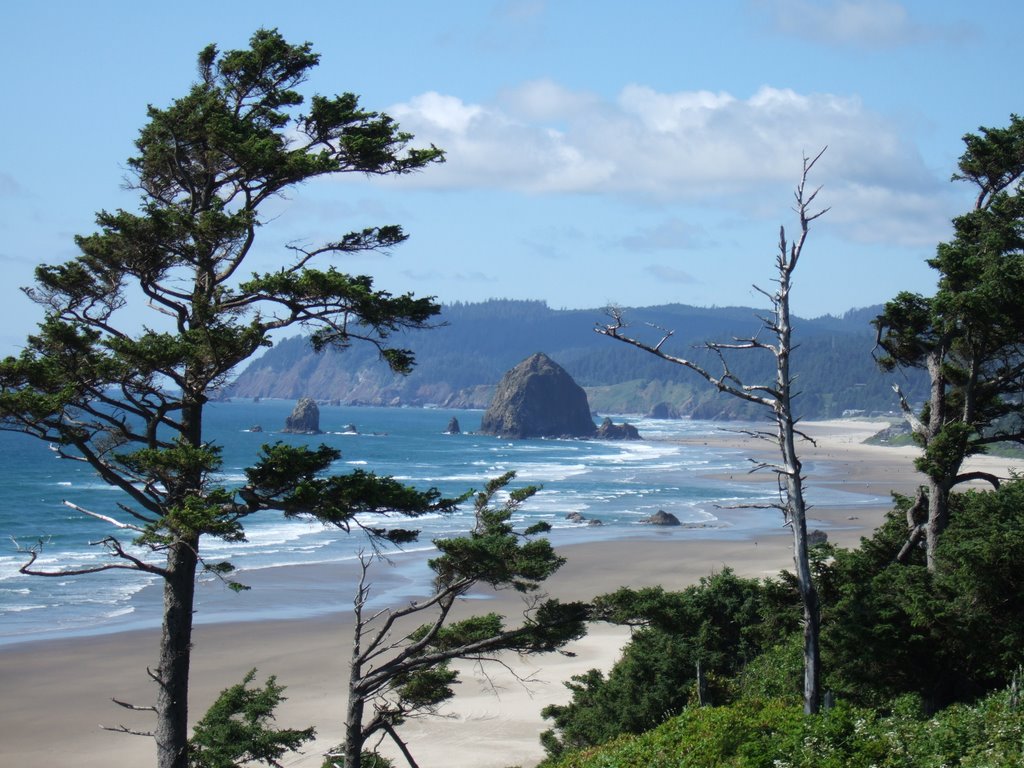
{"points": [[459, 364]]}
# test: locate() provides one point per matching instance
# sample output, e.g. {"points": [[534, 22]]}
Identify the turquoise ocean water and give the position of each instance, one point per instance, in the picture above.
{"points": [[619, 483]]}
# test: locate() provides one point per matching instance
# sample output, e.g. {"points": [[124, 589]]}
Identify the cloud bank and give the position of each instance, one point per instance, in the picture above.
{"points": [[685, 147]]}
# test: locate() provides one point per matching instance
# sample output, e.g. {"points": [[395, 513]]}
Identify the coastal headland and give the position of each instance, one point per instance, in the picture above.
{"points": [[57, 693]]}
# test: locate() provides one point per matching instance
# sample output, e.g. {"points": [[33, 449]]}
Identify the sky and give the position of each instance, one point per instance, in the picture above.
{"points": [[598, 152]]}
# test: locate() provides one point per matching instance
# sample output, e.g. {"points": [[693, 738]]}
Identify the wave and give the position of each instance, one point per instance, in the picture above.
{"points": [[617, 482]]}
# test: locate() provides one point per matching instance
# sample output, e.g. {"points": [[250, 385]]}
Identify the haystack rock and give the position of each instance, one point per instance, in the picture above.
{"points": [[453, 427], [304, 419], [538, 398]]}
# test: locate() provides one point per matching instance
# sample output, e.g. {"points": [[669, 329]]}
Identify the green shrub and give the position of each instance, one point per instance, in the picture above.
{"points": [[949, 636], [778, 673], [776, 734], [723, 623]]}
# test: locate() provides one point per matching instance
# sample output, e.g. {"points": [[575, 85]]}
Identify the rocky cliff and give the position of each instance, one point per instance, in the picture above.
{"points": [[538, 398], [459, 363]]}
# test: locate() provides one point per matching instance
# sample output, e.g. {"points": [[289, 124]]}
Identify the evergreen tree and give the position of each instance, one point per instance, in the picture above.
{"points": [[129, 402], [969, 336], [400, 667], [237, 729]]}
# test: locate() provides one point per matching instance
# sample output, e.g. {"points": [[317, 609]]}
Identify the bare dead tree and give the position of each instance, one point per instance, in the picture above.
{"points": [[778, 398]]}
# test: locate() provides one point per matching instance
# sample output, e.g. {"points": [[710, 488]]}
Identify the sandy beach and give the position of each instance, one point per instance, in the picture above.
{"points": [[58, 693]]}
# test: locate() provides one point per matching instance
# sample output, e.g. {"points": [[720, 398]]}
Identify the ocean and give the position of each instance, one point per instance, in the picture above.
{"points": [[618, 483]]}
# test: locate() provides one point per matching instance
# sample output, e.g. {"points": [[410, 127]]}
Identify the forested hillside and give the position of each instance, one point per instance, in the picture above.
{"points": [[458, 364]]}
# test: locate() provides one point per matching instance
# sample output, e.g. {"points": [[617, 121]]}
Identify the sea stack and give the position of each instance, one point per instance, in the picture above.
{"points": [[304, 419], [611, 431], [538, 398]]}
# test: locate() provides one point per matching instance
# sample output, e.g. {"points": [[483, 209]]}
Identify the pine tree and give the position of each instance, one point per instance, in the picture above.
{"points": [[969, 336], [129, 402]]}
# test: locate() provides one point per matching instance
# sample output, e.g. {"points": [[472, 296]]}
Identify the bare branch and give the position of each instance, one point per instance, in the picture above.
{"points": [[104, 518], [110, 542], [133, 707], [125, 729], [987, 477], [916, 424], [913, 540]]}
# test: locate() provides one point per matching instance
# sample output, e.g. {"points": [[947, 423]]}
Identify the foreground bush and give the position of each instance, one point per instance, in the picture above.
{"points": [[773, 734], [717, 627], [950, 636]]}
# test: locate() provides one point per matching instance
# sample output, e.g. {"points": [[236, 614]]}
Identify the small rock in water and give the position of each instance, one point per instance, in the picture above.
{"points": [[453, 427], [661, 517], [611, 431]]}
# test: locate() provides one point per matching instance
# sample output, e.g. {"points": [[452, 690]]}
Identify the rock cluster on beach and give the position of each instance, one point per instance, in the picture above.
{"points": [[610, 431], [304, 418], [578, 517], [661, 517], [538, 398]]}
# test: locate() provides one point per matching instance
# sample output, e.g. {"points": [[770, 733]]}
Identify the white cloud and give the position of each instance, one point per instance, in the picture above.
{"points": [[679, 147], [861, 23], [445, 113], [546, 100], [875, 214], [487, 147]]}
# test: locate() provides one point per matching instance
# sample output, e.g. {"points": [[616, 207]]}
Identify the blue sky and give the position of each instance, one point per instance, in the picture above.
{"points": [[598, 152]]}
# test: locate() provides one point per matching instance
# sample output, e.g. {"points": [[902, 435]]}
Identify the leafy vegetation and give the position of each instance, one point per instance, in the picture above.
{"points": [[892, 633], [776, 734], [399, 671], [237, 729], [691, 647], [968, 336], [946, 636]]}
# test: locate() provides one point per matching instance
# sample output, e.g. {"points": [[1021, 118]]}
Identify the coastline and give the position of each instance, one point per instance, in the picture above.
{"points": [[58, 691]]}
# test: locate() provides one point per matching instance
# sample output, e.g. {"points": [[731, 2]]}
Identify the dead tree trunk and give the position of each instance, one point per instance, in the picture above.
{"points": [[778, 397], [790, 471]]}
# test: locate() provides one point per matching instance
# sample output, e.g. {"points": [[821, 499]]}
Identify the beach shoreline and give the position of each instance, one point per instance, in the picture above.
{"points": [[59, 691]]}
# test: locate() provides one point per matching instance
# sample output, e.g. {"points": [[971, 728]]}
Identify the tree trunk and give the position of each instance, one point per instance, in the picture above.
{"points": [[804, 579], [353, 730], [795, 505], [938, 519], [172, 675], [938, 492], [812, 617]]}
